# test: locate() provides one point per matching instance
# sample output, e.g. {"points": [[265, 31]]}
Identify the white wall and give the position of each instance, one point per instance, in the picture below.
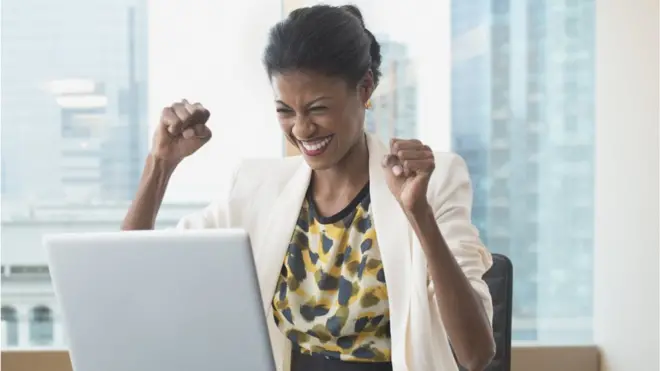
{"points": [[626, 309]]}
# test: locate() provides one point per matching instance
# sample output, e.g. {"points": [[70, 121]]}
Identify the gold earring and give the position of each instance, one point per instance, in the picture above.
{"points": [[368, 104]]}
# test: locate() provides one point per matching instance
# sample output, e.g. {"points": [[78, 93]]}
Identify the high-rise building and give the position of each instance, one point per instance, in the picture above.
{"points": [[3, 178], [394, 102], [74, 133], [73, 82], [522, 106]]}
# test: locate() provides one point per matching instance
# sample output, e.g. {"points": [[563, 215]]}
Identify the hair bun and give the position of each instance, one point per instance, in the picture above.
{"points": [[374, 52], [374, 48], [354, 11]]}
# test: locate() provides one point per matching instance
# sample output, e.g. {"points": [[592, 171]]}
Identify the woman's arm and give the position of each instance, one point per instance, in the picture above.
{"points": [[461, 308], [457, 261], [151, 190], [181, 131]]}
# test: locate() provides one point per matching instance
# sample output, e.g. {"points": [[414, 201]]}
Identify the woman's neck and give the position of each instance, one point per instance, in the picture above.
{"points": [[348, 176]]}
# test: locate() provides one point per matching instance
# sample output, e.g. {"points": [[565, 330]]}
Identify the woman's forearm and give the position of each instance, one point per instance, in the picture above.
{"points": [[149, 197], [462, 311]]}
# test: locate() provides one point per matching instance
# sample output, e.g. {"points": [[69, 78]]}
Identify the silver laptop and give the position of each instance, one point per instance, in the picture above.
{"points": [[160, 301]]}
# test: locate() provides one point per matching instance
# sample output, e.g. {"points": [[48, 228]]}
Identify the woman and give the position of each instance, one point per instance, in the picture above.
{"points": [[366, 255]]}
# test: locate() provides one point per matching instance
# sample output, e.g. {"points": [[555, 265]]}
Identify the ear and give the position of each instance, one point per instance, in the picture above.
{"points": [[366, 87]]}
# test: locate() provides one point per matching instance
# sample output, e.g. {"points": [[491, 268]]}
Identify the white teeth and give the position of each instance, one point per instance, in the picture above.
{"points": [[316, 145]]}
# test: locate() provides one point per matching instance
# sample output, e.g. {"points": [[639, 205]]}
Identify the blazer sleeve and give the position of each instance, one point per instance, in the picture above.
{"points": [[215, 215], [452, 204]]}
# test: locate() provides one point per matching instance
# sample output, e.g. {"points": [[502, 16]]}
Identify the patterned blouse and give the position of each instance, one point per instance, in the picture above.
{"points": [[331, 297]]}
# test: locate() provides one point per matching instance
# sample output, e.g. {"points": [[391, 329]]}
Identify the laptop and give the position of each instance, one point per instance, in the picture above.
{"points": [[160, 301]]}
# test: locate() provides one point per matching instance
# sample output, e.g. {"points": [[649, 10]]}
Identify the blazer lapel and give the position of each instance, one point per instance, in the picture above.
{"points": [[392, 232], [277, 235], [393, 235]]}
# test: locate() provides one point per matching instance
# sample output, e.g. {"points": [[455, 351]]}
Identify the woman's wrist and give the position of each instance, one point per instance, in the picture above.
{"points": [[420, 214], [158, 167]]}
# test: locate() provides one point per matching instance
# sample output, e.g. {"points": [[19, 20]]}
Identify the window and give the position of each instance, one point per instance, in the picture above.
{"points": [[41, 326], [512, 144], [394, 112], [572, 27], [536, 220], [83, 85], [10, 327]]}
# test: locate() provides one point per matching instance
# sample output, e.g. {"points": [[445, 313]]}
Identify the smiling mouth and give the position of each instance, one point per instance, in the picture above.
{"points": [[315, 147]]}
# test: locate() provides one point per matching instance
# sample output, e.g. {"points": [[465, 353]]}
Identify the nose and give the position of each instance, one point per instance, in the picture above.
{"points": [[303, 127]]}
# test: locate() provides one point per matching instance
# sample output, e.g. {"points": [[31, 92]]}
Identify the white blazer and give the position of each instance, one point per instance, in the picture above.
{"points": [[266, 197]]}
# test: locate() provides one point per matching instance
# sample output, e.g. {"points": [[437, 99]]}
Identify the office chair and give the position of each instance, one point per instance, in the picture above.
{"points": [[500, 282]]}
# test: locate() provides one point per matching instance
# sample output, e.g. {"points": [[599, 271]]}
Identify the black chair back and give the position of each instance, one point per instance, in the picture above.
{"points": [[500, 282]]}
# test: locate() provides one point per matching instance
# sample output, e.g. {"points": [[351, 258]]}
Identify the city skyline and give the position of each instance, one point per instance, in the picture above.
{"points": [[76, 104], [522, 105], [521, 117], [91, 133], [394, 102]]}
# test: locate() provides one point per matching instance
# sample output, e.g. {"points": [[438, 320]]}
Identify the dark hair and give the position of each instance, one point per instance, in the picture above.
{"points": [[324, 39]]}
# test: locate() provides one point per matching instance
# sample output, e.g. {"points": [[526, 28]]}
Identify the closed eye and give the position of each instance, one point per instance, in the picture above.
{"points": [[318, 108], [283, 110]]}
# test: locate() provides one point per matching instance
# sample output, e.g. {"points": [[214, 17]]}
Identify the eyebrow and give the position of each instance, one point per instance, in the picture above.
{"points": [[307, 105]]}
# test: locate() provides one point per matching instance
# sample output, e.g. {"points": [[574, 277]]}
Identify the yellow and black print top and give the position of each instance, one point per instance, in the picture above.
{"points": [[331, 297]]}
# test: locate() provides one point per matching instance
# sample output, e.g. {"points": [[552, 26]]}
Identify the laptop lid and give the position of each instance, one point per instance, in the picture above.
{"points": [[160, 301]]}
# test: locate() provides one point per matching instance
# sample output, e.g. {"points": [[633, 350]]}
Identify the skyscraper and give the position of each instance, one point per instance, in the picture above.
{"points": [[522, 106], [74, 133], [394, 102], [73, 102]]}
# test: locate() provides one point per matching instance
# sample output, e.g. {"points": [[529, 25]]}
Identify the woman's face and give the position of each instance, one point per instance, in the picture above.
{"points": [[322, 116]]}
